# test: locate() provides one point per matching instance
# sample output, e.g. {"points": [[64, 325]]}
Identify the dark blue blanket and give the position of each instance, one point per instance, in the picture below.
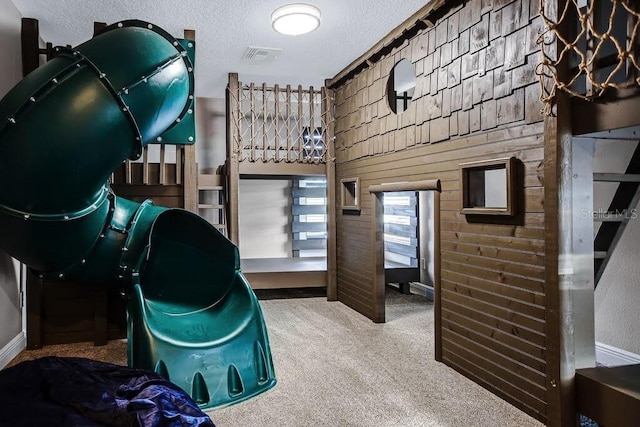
{"points": [[55, 391]]}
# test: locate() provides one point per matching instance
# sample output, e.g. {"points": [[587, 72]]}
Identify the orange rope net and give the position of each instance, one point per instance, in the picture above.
{"points": [[592, 37], [280, 125]]}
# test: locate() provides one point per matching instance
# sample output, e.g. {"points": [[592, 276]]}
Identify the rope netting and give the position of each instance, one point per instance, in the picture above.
{"points": [[595, 42], [276, 124]]}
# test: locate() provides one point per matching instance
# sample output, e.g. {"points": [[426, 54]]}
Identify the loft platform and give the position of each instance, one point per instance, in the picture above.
{"points": [[283, 273]]}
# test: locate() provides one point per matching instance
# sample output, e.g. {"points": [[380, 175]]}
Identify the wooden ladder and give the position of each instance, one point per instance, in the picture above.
{"points": [[211, 200], [621, 210]]}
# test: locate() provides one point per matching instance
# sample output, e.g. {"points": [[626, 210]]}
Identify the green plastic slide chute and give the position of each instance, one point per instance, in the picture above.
{"points": [[64, 128]]}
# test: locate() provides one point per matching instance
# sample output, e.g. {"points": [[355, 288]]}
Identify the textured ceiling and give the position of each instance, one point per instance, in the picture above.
{"points": [[225, 28]]}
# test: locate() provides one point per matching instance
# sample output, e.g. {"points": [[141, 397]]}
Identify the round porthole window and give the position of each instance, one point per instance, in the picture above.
{"points": [[401, 86]]}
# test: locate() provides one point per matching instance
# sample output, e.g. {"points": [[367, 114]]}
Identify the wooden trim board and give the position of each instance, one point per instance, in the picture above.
{"points": [[287, 279]]}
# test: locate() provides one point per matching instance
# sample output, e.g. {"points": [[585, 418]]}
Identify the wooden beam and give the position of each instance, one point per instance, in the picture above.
{"points": [[332, 246], [287, 279], [429, 184], [616, 177], [617, 109], [260, 168]]}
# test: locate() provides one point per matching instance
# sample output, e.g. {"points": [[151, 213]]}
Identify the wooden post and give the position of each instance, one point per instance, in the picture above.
{"points": [[591, 48], [190, 179], [30, 39], [312, 124], [300, 156], [98, 27], [332, 250], [631, 71], [233, 139], [560, 364], [437, 285], [179, 163], [190, 183], [252, 125], [276, 123], [265, 135], [289, 133], [162, 177], [377, 247], [145, 165], [34, 311]]}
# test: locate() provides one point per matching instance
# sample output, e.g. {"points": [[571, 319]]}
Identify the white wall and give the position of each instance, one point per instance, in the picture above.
{"points": [[265, 218], [264, 208], [10, 74], [427, 237], [617, 322], [211, 146], [10, 53], [617, 318], [211, 143], [10, 310]]}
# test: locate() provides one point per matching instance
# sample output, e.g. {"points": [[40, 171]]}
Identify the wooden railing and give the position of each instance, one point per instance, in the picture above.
{"points": [[279, 124]]}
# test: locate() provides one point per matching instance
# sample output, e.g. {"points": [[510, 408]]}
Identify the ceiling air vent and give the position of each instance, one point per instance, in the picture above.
{"points": [[261, 54]]}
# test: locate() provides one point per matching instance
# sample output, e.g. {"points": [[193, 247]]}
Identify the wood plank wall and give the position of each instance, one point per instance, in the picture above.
{"points": [[68, 312], [476, 99]]}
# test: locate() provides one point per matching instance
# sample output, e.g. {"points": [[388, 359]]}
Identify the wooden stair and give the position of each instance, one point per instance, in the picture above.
{"points": [[620, 211], [211, 200]]}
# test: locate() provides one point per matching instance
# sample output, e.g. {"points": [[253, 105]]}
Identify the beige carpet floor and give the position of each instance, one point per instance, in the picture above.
{"points": [[337, 368]]}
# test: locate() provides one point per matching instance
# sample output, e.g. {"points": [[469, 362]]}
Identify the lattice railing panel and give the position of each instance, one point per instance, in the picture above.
{"points": [[275, 124], [587, 48]]}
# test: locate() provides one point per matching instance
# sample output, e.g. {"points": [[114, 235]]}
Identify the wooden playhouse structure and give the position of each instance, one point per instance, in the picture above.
{"points": [[511, 283]]}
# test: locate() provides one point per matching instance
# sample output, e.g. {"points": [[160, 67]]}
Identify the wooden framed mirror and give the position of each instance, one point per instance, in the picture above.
{"points": [[350, 194], [488, 187], [401, 86]]}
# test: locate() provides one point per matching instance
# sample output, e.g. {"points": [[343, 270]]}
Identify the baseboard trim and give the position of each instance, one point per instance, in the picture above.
{"points": [[12, 349], [611, 356]]}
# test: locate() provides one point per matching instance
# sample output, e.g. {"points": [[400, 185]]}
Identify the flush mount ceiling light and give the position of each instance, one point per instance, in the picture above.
{"points": [[295, 19]]}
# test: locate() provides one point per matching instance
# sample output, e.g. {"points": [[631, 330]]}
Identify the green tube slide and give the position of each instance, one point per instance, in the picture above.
{"points": [[192, 316]]}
